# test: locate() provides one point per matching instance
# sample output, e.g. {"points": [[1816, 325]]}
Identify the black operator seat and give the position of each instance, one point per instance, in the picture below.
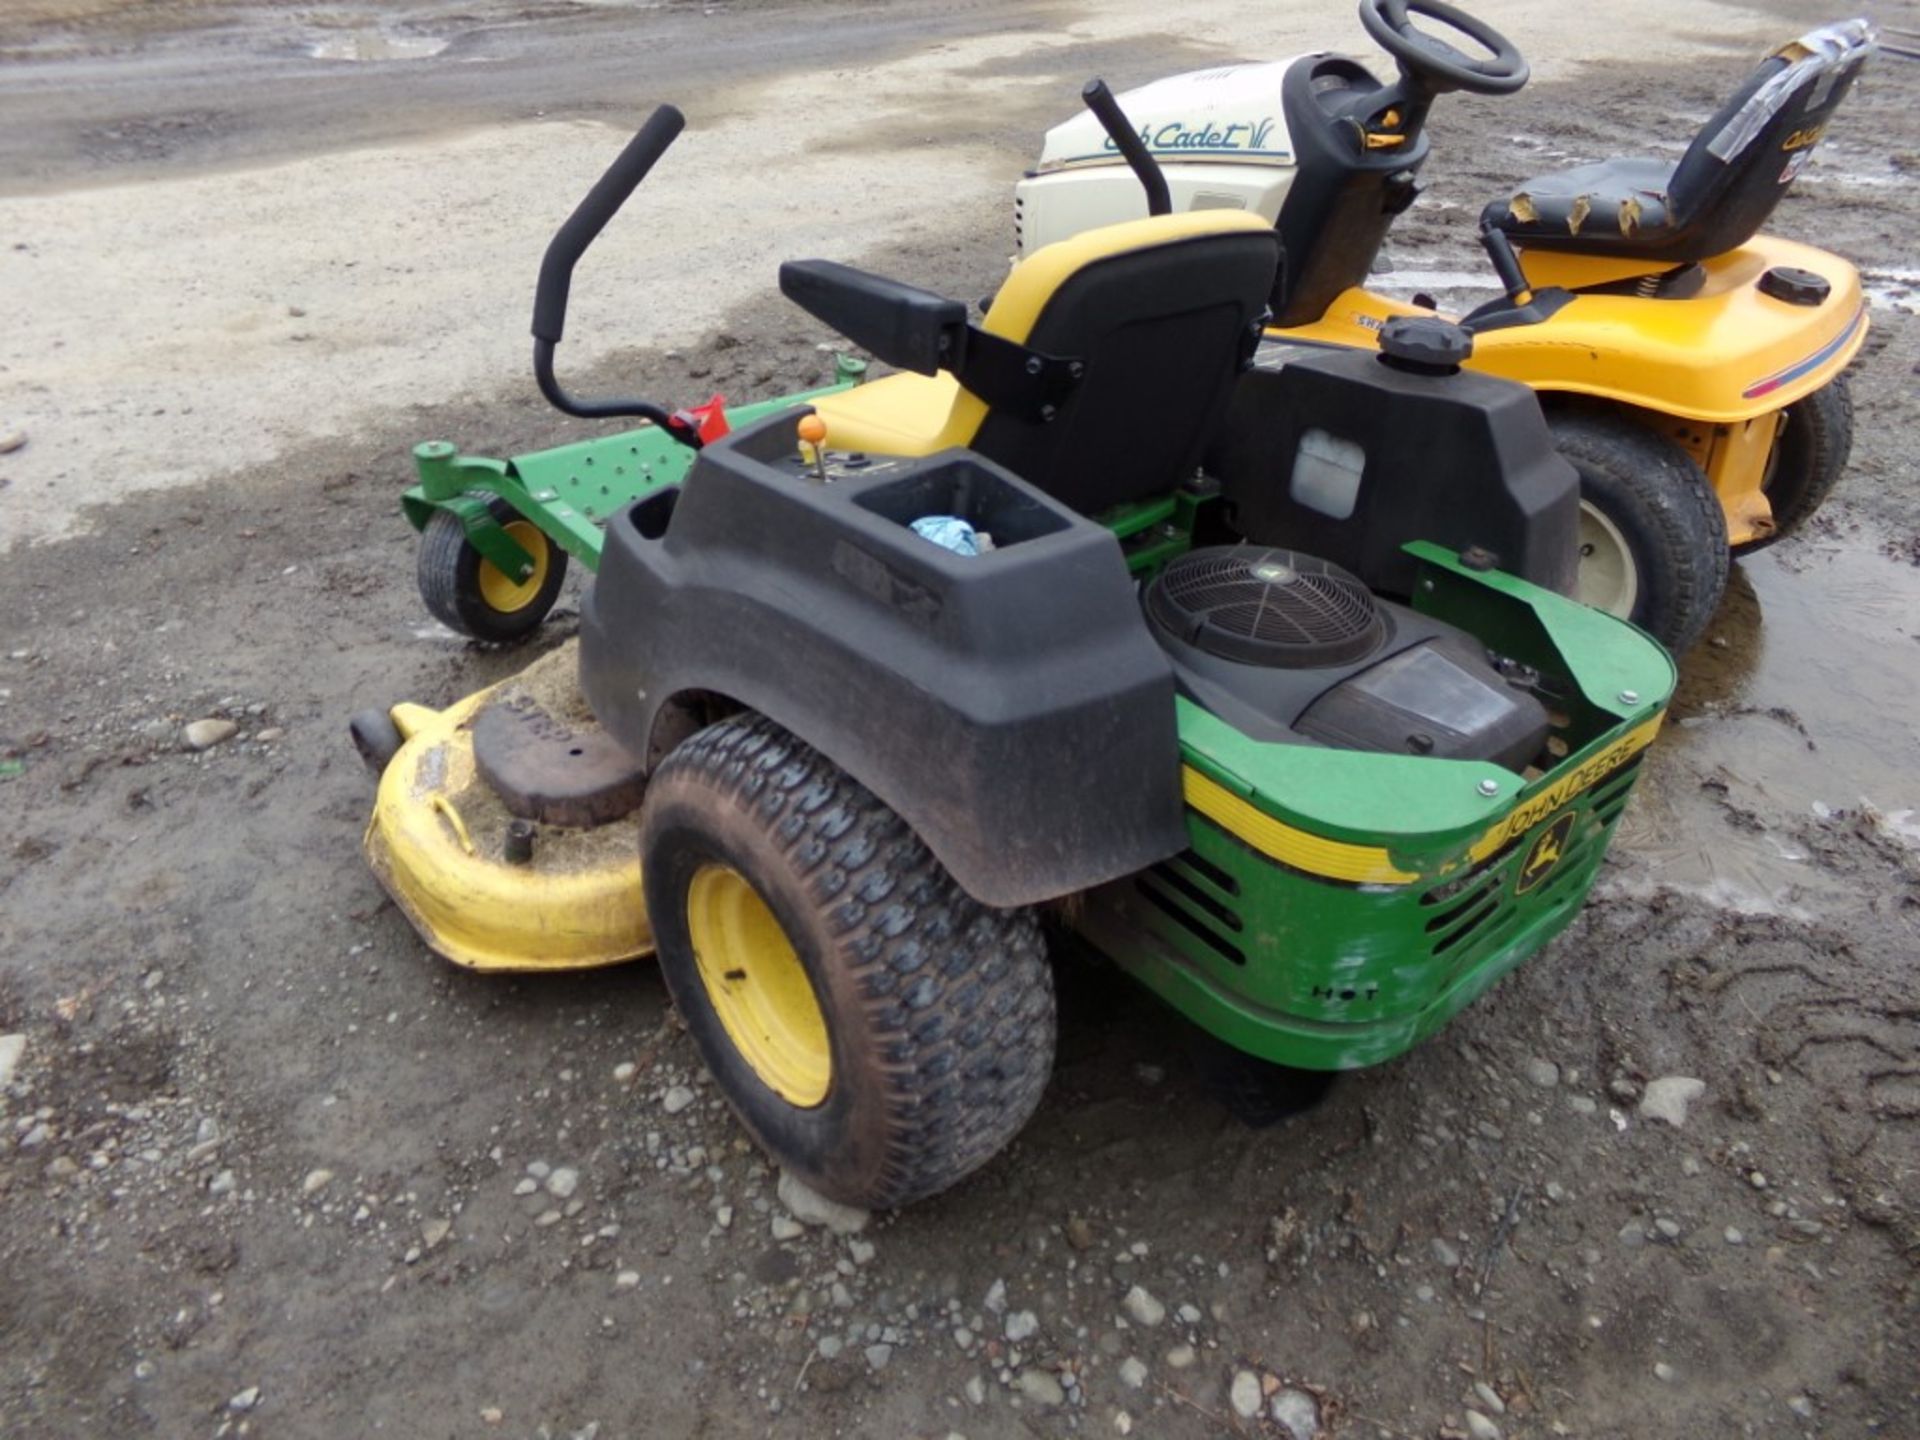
{"points": [[1724, 187], [1104, 364]]}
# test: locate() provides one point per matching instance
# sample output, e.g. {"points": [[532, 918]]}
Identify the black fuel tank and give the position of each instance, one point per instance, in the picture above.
{"points": [[1346, 456]]}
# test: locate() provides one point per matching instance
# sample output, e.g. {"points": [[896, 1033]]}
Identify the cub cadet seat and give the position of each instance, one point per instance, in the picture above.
{"points": [[1724, 187], [1103, 364]]}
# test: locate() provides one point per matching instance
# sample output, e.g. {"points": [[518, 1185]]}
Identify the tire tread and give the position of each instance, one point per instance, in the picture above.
{"points": [[958, 996], [1624, 464]]}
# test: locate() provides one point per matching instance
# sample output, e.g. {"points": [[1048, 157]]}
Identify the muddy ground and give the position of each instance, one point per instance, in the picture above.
{"points": [[268, 1167]]}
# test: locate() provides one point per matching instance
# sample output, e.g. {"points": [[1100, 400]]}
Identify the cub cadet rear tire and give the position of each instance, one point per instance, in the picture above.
{"points": [[880, 1033], [1653, 538], [1809, 456], [464, 591]]}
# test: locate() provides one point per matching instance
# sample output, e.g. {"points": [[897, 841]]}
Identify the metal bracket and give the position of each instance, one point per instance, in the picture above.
{"points": [[1010, 376], [488, 536], [464, 485]]}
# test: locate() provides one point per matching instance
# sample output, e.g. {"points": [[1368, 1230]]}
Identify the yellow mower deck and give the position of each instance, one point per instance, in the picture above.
{"points": [[437, 844]]}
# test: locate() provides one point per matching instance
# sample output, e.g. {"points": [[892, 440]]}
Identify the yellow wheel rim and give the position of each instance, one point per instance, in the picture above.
{"points": [[758, 987], [501, 591]]}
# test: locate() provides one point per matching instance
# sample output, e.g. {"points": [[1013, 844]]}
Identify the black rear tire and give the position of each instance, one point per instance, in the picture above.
{"points": [[1809, 456], [938, 1010], [1662, 522], [463, 590]]}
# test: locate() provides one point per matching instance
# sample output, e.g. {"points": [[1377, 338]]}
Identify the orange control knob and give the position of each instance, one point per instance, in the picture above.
{"points": [[813, 438]]}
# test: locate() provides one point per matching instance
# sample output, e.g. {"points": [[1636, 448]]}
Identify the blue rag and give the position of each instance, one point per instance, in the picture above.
{"points": [[949, 532]]}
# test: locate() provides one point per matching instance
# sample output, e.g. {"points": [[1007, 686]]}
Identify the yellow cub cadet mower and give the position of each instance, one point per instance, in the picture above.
{"points": [[1690, 366], [870, 681]]}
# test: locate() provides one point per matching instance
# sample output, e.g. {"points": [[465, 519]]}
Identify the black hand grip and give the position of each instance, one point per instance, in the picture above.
{"points": [[591, 215], [1505, 263], [1107, 109]]}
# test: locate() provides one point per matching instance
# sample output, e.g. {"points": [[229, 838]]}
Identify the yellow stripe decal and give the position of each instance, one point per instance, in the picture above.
{"points": [[1315, 854]]}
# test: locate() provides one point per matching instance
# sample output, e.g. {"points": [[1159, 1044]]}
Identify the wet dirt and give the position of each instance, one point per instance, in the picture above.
{"points": [[267, 1167], [1786, 720]]}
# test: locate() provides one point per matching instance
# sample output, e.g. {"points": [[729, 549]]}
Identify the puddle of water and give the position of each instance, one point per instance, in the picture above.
{"points": [[1893, 289], [372, 45], [1860, 179], [1808, 708], [1402, 282]]}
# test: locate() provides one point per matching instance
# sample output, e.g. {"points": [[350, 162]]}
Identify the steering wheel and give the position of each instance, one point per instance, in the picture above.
{"points": [[1438, 64]]}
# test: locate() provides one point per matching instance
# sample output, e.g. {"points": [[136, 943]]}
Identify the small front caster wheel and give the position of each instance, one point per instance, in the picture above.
{"points": [[467, 592], [881, 1033]]}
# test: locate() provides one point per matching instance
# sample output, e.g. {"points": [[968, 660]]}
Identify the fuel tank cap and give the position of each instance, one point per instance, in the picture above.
{"points": [[1425, 343], [1795, 286]]}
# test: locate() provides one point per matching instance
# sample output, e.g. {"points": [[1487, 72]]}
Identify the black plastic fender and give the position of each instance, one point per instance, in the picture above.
{"points": [[1011, 706]]}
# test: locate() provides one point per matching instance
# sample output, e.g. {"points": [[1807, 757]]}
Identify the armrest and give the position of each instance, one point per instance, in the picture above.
{"points": [[903, 325]]}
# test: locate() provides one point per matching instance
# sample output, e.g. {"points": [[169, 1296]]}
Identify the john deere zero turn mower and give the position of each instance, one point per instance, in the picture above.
{"points": [[1690, 365], [889, 675]]}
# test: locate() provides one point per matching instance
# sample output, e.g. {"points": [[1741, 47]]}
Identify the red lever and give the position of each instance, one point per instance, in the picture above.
{"points": [[710, 420]]}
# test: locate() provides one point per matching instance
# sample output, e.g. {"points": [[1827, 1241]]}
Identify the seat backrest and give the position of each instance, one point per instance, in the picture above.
{"points": [[1163, 314], [1743, 159]]}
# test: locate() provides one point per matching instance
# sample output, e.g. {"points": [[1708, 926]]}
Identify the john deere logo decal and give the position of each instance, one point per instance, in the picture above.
{"points": [[1543, 856]]}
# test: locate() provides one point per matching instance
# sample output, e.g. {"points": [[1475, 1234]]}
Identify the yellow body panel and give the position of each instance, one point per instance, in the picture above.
{"points": [[1734, 458], [913, 415], [436, 846], [1578, 272], [1695, 358], [1712, 371]]}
